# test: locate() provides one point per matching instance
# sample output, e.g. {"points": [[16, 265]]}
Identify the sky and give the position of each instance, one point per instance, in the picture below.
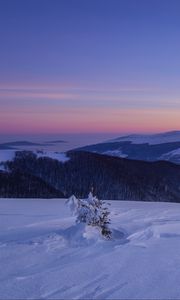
{"points": [[89, 66]]}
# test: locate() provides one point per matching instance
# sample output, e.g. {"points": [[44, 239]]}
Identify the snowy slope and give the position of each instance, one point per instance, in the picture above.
{"points": [[173, 156], [162, 146], [152, 139], [43, 255]]}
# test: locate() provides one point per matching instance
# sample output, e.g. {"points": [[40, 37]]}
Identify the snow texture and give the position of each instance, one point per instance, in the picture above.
{"points": [[44, 255]]}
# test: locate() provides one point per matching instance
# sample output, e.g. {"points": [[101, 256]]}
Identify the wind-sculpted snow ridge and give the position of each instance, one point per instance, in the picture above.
{"points": [[45, 255]]}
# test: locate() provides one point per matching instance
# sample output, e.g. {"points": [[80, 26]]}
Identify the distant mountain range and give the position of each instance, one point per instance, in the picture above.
{"points": [[14, 145], [56, 142], [28, 175], [27, 144], [163, 146], [134, 167]]}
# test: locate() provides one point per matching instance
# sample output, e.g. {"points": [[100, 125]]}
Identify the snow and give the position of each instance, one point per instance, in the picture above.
{"points": [[6, 155], [176, 152], [60, 156], [117, 153], [44, 255], [2, 167], [172, 155], [152, 139]]}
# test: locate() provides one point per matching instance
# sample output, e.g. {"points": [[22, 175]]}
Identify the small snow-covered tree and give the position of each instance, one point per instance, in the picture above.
{"points": [[91, 211]]}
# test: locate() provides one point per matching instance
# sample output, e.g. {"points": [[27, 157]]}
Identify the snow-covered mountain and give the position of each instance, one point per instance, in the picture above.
{"points": [[151, 139], [45, 255], [162, 146]]}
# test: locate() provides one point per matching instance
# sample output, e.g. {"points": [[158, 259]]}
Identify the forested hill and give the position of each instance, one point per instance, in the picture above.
{"points": [[111, 177], [19, 184]]}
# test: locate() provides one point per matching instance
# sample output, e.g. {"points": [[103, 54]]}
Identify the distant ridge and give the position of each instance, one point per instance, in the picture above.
{"points": [[152, 147], [16, 144], [158, 138], [20, 143], [56, 142]]}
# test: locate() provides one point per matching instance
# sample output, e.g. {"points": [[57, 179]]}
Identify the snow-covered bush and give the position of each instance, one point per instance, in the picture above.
{"points": [[91, 211]]}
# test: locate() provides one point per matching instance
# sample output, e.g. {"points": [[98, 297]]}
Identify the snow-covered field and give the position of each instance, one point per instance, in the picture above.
{"points": [[43, 255]]}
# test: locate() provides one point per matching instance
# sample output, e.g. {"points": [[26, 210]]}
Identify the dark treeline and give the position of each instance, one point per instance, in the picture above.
{"points": [[111, 177], [18, 184]]}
